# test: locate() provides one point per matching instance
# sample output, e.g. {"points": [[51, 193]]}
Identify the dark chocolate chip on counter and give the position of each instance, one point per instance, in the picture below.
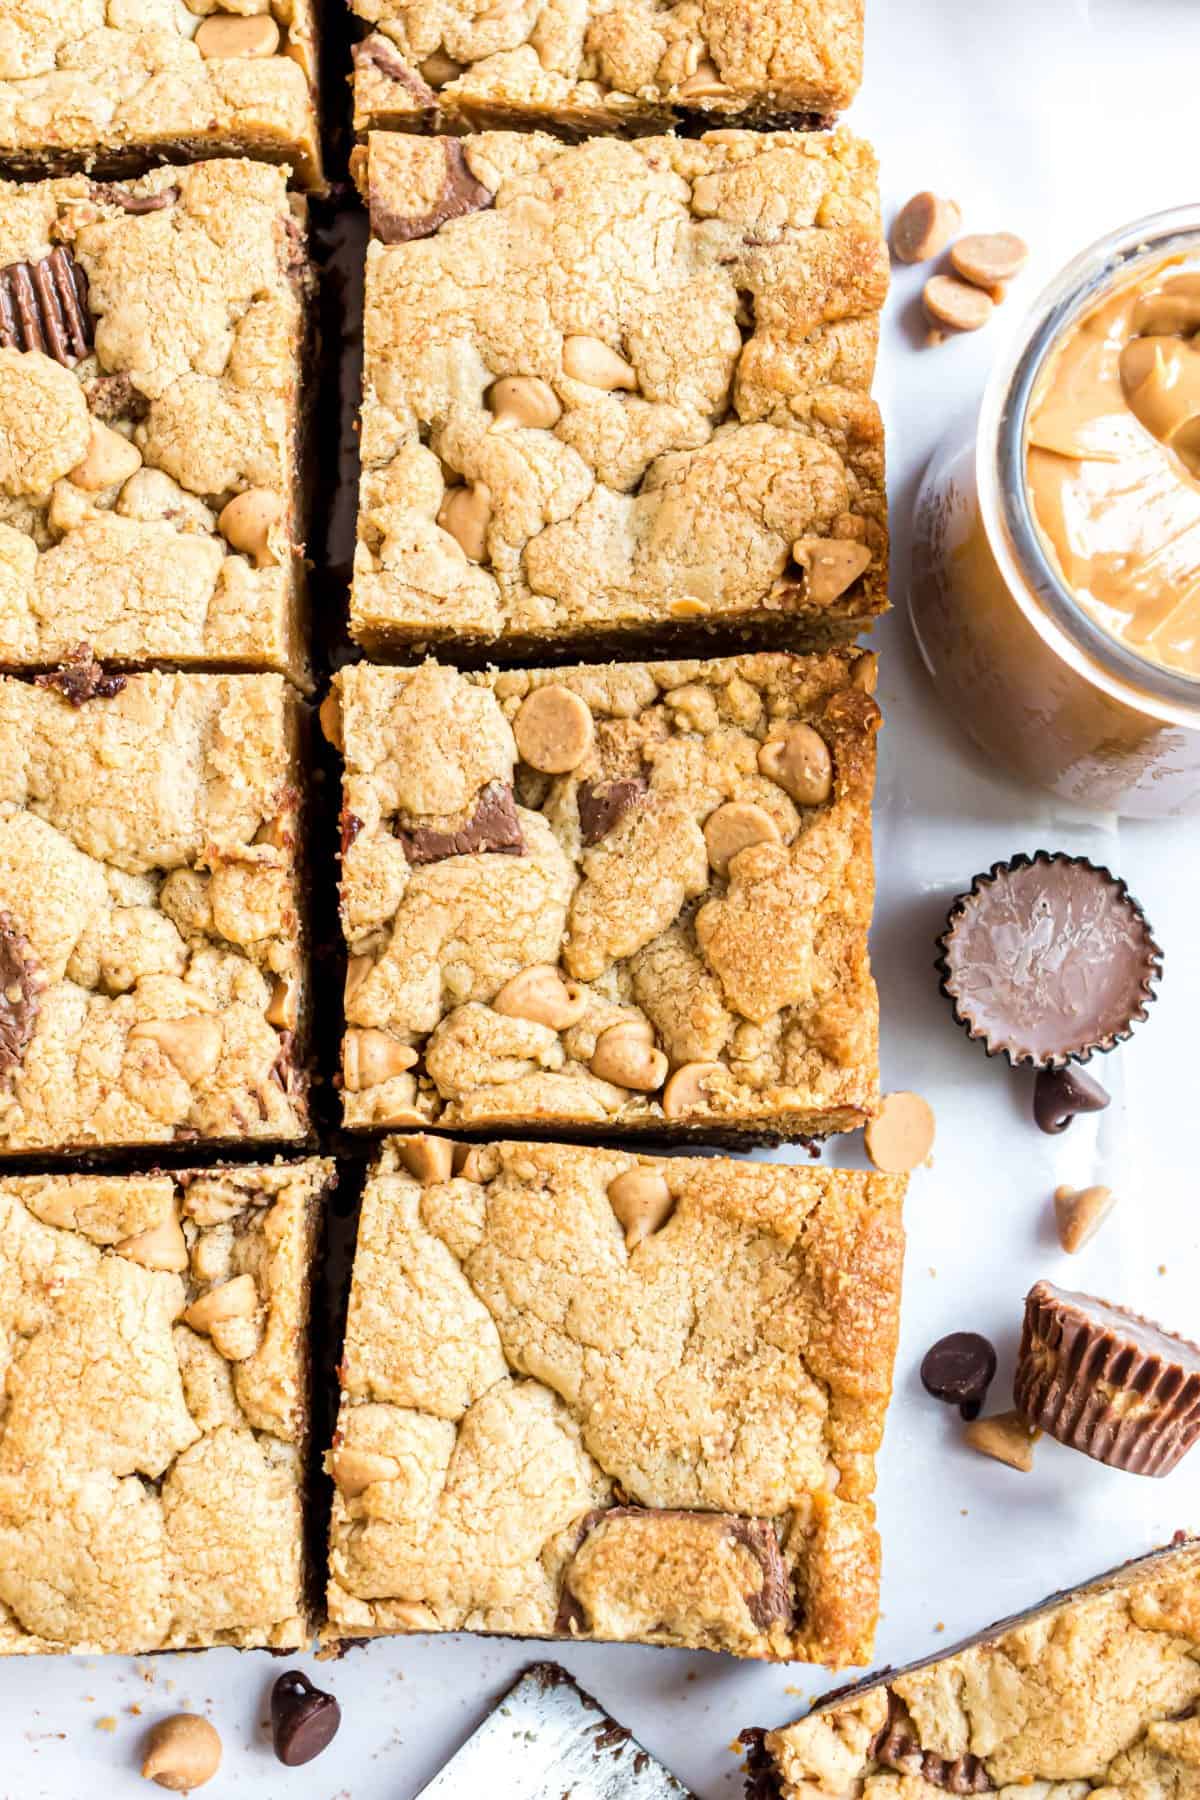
{"points": [[1059, 1094], [959, 1369], [304, 1719]]}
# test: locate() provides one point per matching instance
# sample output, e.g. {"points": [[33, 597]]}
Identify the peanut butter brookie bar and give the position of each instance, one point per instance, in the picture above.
{"points": [[1095, 1692], [619, 391], [633, 66], [628, 896], [153, 1360], [152, 337], [591, 1394], [112, 85], [150, 953]]}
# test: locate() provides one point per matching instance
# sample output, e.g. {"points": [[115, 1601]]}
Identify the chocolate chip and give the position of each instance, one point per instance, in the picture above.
{"points": [[304, 1719], [22, 982], [111, 193], [960, 1369], [1058, 1094], [43, 306], [493, 827], [602, 803], [351, 825], [376, 52], [82, 678], [896, 1747], [112, 397], [461, 194], [772, 1602]]}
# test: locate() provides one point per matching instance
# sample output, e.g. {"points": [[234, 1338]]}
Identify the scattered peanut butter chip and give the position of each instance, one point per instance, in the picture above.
{"points": [[923, 227], [430, 1159], [986, 257], [955, 303], [1008, 1437], [801, 764], [626, 1056], [524, 400], [182, 1753], [736, 826], [642, 1202], [554, 730], [466, 513], [831, 564], [901, 1135], [1080, 1214]]}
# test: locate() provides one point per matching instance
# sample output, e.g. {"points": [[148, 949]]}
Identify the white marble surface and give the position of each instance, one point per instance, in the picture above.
{"points": [[1059, 119]]}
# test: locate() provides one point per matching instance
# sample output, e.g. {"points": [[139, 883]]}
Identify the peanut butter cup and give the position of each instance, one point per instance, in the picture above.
{"points": [[1106, 1381], [1048, 959]]}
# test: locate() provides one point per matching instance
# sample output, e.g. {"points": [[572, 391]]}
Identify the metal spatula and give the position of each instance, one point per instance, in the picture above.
{"points": [[548, 1740]]}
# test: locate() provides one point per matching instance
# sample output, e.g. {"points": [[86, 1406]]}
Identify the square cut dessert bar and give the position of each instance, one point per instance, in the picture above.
{"points": [[1097, 1691], [633, 66], [153, 1341], [152, 338], [592, 1394], [150, 941], [114, 85], [620, 390], [633, 895]]}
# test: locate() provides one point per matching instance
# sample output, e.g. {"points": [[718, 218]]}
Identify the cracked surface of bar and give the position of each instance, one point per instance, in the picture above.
{"points": [[152, 1445], [619, 391], [592, 1394], [152, 339]]}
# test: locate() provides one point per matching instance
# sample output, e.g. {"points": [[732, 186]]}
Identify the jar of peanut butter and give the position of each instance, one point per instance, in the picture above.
{"points": [[1056, 566]]}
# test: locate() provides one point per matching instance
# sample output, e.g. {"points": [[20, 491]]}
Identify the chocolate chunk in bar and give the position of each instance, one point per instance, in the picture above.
{"points": [[897, 1747], [602, 803], [112, 193], [112, 397], [461, 194], [493, 827], [82, 678], [376, 52], [21, 984], [43, 306]]}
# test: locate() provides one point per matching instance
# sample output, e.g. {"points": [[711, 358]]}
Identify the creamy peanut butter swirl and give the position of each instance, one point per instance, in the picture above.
{"points": [[1113, 463]]}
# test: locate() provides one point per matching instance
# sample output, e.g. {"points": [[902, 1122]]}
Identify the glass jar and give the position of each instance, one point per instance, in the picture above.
{"points": [[1039, 685]]}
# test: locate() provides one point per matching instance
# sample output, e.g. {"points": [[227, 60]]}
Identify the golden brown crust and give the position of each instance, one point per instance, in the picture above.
{"points": [[693, 325], [747, 982], [91, 84], [631, 66], [154, 1430], [116, 524], [545, 1432], [149, 890], [1097, 1691]]}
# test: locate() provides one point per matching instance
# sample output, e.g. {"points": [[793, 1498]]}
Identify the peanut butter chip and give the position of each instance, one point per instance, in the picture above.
{"points": [[590, 359], [901, 1137], [236, 1299], [182, 1753], [831, 564], [466, 513], [1008, 1437], [541, 995], [705, 83], [1079, 1215], [687, 1090], [111, 459], [354, 1471], [554, 730], [163, 1246], [736, 826], [246, 523], [626, 1056], [642, 1202], [429, 1159], [923, 227], [957, 304], [524, 400], [371, 1057], [223, 35], [330, 714], [986, 257], [800, 763]]}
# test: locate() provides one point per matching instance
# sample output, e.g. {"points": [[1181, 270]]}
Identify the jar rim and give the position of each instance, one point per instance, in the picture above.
{"points": [[1036, 583]]}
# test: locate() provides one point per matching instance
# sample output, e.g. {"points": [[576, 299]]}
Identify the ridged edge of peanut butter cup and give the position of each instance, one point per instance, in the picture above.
{"points": [[1107, 1381], [1082, 1052]]}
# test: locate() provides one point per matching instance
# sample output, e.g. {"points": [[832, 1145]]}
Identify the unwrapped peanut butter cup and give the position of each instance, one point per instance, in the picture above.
{"points": [[1107, 1382], [1048, 959]]}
